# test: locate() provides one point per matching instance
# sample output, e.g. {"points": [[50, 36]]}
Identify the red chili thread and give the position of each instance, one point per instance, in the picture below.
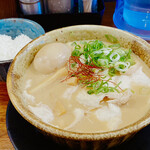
{"points": [[84, 72]]}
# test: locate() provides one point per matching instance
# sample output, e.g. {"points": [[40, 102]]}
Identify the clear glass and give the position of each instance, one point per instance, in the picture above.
{"points": [[87, 6], [137, 13], [30, 7], [59, 6], [133, 16]]}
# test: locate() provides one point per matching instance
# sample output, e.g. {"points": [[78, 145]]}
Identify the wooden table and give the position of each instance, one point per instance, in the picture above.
{"points": [[5, 143], [7, 9]]}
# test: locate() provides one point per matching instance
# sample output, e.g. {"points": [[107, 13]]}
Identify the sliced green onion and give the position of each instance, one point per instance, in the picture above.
{"points": [[120, 52], [121, 66], [76, 53], [111, 38], [114, 57], [101, 57], [102, 62], [112, 71], [115, 46], [97, 52], [106, 51]]}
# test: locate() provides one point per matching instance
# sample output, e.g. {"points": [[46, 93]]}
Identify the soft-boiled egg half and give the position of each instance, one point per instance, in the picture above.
{"points": [[51, 57]]}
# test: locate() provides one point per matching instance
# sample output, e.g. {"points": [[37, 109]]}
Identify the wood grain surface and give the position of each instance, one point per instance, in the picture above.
{"points": [[5, 143], [8, 9]]}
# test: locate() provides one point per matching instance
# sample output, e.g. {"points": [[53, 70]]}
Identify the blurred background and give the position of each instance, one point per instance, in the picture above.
{"points": [[76, 15], [9, 8], [128, 15]]}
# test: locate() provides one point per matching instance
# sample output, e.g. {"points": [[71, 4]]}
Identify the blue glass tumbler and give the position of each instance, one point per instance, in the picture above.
{"points": [[133, 16]]}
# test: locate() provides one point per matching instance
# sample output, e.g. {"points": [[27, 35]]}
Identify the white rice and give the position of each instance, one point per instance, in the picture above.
{"points": [[10, 47]]}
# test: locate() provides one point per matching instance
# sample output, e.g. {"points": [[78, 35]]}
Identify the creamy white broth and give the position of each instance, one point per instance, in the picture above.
{"points": [[62, 105]]}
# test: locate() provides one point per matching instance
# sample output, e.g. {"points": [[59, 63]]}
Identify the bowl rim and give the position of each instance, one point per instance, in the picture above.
{"points": [[49, 129], [6, 61], [41, 29]]}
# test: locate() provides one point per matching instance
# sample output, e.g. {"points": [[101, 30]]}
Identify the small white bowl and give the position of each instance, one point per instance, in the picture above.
{"points": [[14, 27]]}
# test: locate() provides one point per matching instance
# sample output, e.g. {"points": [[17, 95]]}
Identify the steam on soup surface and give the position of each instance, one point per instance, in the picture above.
{"points": [[91, 86]]}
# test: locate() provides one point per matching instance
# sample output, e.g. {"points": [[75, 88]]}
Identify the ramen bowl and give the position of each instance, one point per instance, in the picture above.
{"points": [[75, 140]]}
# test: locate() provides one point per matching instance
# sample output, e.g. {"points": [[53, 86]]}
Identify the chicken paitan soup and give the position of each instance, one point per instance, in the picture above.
{"points": [[87, 86]]}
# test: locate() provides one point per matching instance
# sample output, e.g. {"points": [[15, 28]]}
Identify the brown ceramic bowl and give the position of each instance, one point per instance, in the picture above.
{"points": [[82, 32]]}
